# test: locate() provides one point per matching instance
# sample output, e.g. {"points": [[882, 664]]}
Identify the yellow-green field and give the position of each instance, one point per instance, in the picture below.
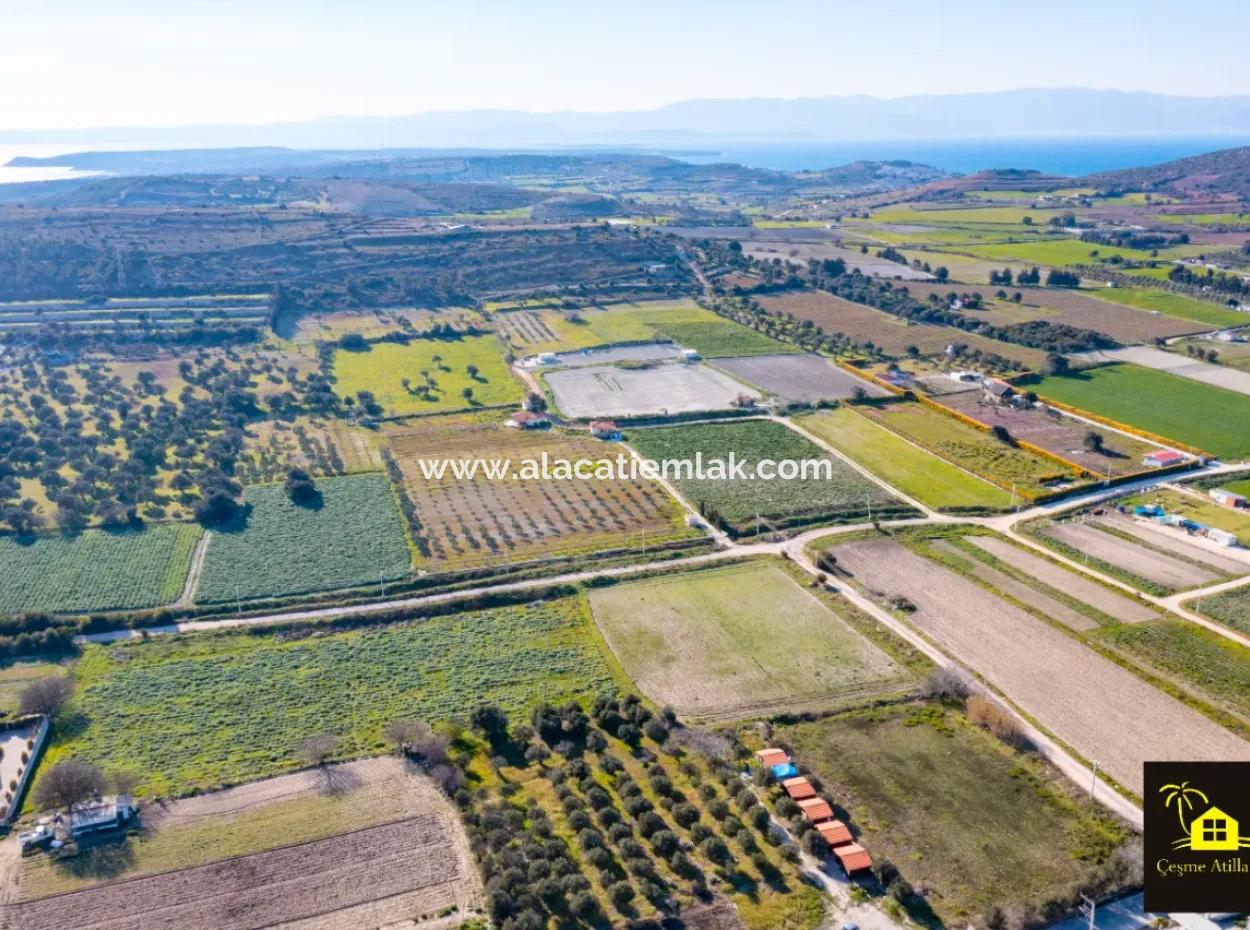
{"points": [[440, 364]]}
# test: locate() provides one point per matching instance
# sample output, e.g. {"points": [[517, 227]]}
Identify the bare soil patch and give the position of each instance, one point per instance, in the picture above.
{"points": [[1116, 606], [1177, 541], [1140, 561], [798, 378], [1101, 710]]}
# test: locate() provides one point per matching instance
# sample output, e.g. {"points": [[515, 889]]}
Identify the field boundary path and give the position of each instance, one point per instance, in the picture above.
{"points": [[194, 571]]}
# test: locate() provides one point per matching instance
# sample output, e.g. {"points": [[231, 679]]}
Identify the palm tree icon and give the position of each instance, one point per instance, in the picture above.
{"points": [[1183, 796]]}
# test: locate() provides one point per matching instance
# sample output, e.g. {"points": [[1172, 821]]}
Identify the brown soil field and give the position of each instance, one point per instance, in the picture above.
{"points": [[1177, 541], [800, 378], [467, 523], [1022, 592], [1141, 561], [1056, 432], [1098, 708], [1059, 305], [1116, 606], [368, 878], [893, 334]]}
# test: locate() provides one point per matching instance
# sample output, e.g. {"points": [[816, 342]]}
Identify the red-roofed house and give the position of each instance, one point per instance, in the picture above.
{"points": [[526, 419], [835, 833], [604, 429], [816, 809], [853, 858], [799, 788], [1163, 458], [771, 757]]}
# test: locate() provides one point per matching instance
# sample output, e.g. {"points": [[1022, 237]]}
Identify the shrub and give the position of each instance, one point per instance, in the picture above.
{"points": [[990, 715]]}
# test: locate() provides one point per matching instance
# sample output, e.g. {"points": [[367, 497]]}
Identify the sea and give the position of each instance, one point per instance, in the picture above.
{"points": [[1053, 155]]}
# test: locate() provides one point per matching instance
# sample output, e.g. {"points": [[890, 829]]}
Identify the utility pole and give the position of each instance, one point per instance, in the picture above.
{"points": [[1093, 783], [238, 601]]}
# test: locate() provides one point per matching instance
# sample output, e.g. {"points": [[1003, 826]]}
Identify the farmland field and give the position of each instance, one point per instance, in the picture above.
{"points": [[96, 569], [799, 378], [471, 523], [384, 873], [202, 711], [252, 818], [1210, 315], [976, 823], [1164, 572], [892, 334], [17, 674], [352, 536], [1202, 416], [1200, 508], [967, 446], [720, 643], [1232, 607], [846, 495], [930, 480], [1114, 716], [609, 391], [382, 368], [1174, 363], [1057, 433]]}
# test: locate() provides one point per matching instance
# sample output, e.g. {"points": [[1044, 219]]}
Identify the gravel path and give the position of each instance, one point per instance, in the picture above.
{"points": [[1100, 709]]}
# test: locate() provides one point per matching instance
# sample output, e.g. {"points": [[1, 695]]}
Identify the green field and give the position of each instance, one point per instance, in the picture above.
{"points": [[382, 367], [1055, 252], [1232, 608], [1201, 509], [196, 712], [96, 569], [965, 445], [722, 339], [1177, 305], [1204, 663], [354, 537], [927, 478], [978, 824], [846, 495], [1188, 411], [707, 643]]}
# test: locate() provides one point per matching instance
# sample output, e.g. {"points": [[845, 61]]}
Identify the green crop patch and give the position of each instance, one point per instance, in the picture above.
{"points": [[96, 569], [738, 501], [196, 712], [352, 536], [1188, 411]]}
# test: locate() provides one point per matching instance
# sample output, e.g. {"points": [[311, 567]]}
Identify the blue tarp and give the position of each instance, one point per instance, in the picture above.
{"points": [[785, 770]]}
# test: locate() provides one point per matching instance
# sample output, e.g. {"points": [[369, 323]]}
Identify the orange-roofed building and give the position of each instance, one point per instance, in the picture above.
{"points": [[799, 788], [816, 809], [853, 858], [771, 757], [835, 832]]}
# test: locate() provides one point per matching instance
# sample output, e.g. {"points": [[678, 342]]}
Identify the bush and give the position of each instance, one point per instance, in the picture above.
{"points": [[621, 894], [991, 716]]}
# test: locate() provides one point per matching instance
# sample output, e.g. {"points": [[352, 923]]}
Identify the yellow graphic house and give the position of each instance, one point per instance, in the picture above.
{"points": [[1214, 831]]}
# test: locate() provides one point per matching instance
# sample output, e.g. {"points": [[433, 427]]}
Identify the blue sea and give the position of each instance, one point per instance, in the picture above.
{"points": [[1053, 155]]}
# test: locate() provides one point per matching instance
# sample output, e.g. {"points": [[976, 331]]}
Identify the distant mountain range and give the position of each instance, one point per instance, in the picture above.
{"points": [[1066, 112]]}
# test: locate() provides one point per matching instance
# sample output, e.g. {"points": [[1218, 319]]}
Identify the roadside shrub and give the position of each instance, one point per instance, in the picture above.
{"points": [[991, 716]]}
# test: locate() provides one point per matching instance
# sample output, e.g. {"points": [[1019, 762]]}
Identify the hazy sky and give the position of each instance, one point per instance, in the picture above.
{"points": [[72, 63]]}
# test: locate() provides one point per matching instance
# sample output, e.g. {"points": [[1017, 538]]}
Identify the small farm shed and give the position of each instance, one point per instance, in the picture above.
{"points": [[799, 788], [853, 858], [106, 814], [771, 757], [999, 389], [1163, 458], [816, 809], [835, 833], [525, 419]]}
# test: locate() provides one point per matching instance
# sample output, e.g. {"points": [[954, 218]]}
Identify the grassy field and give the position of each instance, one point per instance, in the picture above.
{"points": [[721, 643], [978, 824], [382, 367], [1201, 509], [1178, 305], [96, 569], [353, 536], [197, 712], [972, 448], [1053, 252], [845, 495], [16, 674], [1198, 414], [929, 479]]}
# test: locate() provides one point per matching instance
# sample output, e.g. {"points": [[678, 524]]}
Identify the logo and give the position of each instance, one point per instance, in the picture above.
{"points": [[1197, 855]]}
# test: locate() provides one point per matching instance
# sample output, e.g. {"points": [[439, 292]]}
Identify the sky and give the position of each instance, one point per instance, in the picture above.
{"points": [[86, 63]]}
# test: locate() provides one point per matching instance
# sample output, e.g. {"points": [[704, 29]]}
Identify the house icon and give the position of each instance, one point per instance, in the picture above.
{"points": [[1214, 831]]}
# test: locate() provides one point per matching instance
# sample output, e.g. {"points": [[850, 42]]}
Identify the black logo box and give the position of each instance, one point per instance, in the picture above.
{"points": [[1196, 880]]}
